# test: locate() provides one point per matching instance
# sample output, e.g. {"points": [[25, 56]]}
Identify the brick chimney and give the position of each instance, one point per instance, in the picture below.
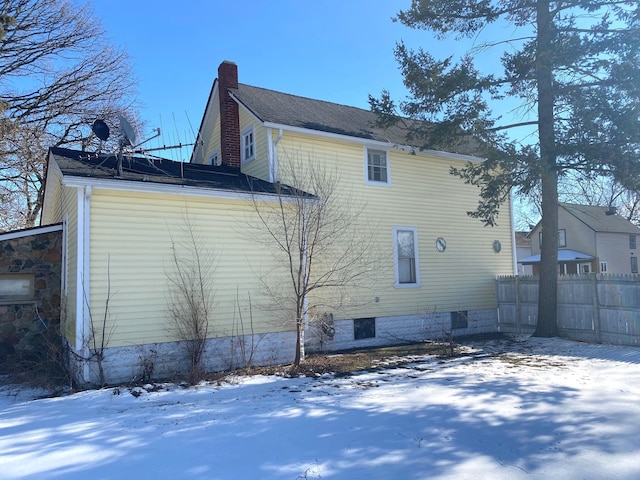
{"points": [[229, 116]]}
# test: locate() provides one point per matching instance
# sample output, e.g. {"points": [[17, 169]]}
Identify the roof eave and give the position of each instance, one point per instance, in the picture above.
{"points": [[370, 142], [73, 181]]}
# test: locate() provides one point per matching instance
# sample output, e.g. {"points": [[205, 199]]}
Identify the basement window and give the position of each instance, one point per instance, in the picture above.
{"points": [[16, 287], [459, 319], [364, 328]]}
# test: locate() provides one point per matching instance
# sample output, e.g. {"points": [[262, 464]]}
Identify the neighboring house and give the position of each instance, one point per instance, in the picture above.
{"points": [[523, 250], [591, 239], [30, 287], [437, 265]]}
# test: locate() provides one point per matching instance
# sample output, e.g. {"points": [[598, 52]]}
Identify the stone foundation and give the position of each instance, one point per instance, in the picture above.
{"points": [[169, 360], [35, 256], [396, 330]]}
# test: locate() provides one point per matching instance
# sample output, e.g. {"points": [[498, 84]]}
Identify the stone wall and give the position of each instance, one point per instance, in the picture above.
{"points": [[34, 255]]}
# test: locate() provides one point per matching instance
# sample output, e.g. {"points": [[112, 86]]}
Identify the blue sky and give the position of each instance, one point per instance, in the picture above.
{"points": [[334, 50]]}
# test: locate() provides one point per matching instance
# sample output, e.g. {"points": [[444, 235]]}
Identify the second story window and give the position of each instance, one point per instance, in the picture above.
{"points": [[562, 238], [248, 146], [632, 242], [377, 166]]}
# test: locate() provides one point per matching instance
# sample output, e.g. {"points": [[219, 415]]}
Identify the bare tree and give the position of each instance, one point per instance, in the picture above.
{"points": [[57, 75], [191, 297], [320, 238], [582, 188]]}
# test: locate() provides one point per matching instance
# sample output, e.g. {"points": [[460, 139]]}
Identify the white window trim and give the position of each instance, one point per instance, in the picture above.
{"points": [[245, 132], [366, 168], [604, 268], [415, 252], [211, 156]]}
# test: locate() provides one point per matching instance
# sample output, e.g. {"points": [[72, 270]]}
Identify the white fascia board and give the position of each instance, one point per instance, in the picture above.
{"points": [[30, 231], [161, 188], [373, 143]]}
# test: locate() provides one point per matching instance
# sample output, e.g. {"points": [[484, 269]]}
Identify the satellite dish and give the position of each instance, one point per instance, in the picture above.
{"points": [[128, 135], [101, 129]]}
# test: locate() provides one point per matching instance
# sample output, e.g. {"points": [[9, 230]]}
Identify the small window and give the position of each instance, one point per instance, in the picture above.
{"points": [[364, 328], [562, 238], [248, 146], [16, 287], [634, 264], [632, 242], [459, 319], [603, 267], [214, 158], [585, 268], [406, 256], [377, 167]]}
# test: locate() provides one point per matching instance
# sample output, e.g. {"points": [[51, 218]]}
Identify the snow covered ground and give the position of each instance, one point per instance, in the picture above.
{"points": [[531, 409]]}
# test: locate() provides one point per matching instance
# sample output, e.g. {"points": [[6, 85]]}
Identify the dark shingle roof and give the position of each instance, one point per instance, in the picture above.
{"points": [[157, 170], [597, 219], [286, 109]]}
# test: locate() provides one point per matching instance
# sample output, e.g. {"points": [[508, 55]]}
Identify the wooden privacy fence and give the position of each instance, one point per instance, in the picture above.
{"points": [[597, 308]]}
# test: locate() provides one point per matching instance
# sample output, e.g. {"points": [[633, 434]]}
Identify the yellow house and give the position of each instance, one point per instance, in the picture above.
{"points": [[125, 233]]}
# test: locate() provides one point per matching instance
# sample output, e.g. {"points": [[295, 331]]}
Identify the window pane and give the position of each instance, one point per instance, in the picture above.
{"points": [[406, 270], [562, 238], [634, 264], [406, 257], [632, 241], [377, 165], [405, 244], [364, 328], [16, 286]]}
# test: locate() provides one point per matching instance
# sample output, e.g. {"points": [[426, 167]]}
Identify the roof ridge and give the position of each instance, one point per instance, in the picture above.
{"points": [[303, 97]]}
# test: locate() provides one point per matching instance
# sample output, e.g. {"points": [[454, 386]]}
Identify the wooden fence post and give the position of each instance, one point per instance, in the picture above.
{"points": [[596, 310], [518, 322]]}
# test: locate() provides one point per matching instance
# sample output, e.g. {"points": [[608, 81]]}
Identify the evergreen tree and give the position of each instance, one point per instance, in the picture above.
{"points": [[573, 66]]}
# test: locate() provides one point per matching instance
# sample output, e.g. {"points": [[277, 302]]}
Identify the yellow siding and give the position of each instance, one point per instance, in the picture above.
{"points": [[423, 195], [259, 166], [211, 142], [131, 238], [73, 290], [209, 131], [64, 202]]}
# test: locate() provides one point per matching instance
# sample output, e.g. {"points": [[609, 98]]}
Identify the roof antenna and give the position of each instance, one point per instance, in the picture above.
{"points": [[127, 139]]}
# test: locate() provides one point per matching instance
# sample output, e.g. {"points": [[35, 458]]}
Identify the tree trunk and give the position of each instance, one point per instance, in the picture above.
{"points": [[547, 325]]}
